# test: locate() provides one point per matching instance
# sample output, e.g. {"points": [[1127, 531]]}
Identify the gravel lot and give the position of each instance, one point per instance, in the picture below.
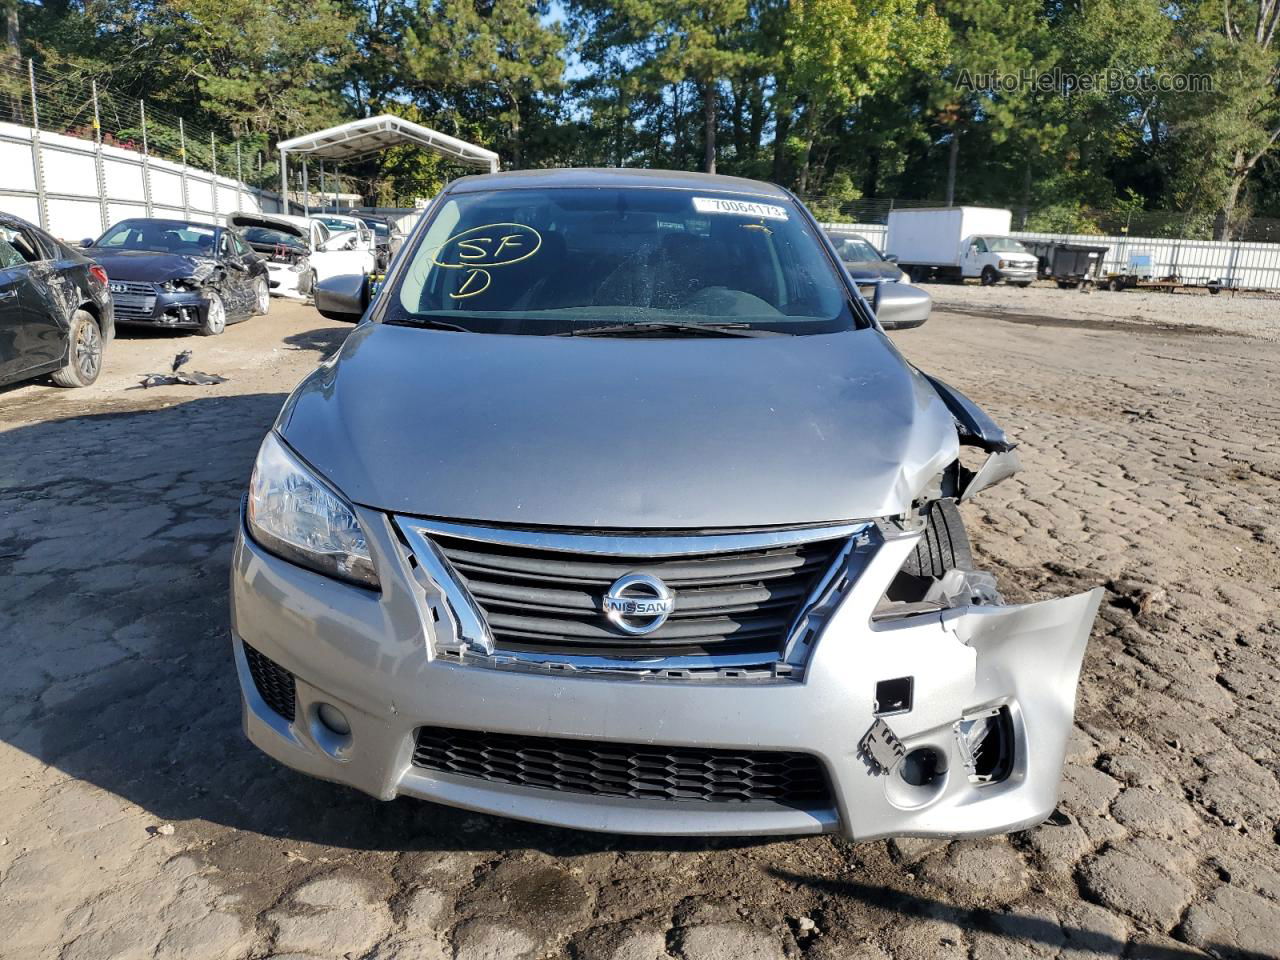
{"points": [[135, 821]]}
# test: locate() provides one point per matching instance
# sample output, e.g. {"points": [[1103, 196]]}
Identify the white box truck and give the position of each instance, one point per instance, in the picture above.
{"points": [[959, 242]]}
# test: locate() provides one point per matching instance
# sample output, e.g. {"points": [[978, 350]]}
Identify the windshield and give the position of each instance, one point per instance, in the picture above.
{"points": [[333, 223], [1005, 245], [854, 249], [159, 236], [548, 261]]}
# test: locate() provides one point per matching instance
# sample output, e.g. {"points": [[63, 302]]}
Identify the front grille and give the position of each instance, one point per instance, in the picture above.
{"points": [[738, 602], [133, 301], [635, 771], [274, 682]]}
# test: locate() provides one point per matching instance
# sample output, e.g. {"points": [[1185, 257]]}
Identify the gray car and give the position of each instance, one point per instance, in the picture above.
{"points": [[619, 511]]}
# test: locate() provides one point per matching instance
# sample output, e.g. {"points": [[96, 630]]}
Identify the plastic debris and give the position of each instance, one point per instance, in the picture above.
{"points": [[190, 378]]}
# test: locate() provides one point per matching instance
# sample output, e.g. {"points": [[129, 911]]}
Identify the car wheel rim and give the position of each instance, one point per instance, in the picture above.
{"points": [[217, 314], [264, 296], [88, 350]]}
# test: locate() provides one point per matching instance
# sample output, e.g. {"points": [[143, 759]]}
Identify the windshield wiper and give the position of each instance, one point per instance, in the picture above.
{"points": [[427, 322], [671, 326]]}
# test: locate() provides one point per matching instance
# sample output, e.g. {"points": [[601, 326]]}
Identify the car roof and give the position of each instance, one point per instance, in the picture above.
{"points": [[168, 220], [616, 177]]}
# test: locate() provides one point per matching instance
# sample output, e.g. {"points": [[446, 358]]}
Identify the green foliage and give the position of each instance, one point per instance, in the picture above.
{"points": [[836, 98]]}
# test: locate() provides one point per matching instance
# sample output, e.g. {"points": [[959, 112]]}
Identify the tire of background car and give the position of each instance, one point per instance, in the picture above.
{"points": [[943, 546], [261, 297], [215, 318], [989, 276], [84, 352]]}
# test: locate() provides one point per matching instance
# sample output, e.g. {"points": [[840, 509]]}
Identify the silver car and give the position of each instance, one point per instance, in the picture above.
{"points": [[619, 511]]}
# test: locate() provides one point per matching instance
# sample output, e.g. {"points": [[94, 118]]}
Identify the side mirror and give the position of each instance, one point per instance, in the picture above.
{"points": [[343, 297], [87, 242], [899, 306], [891, 257]]}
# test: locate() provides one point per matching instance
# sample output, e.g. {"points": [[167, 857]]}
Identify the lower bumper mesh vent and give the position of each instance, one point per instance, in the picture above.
{"points": [[636, 771], [274, 682]]}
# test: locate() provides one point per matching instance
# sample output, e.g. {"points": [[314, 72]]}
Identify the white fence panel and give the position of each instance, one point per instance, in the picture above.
{"points": [[15, 161], [1255, 265], [72, 207]]}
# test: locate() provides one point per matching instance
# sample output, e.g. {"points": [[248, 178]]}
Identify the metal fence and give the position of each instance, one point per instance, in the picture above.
{"points": [[1236, 263], [1080, 221], [76, 158]]}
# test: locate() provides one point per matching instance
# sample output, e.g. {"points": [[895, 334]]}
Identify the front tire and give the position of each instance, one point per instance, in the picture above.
{"points": [[261, 297], [84, 355], [215, 317], [943, 546], [989, 277]]}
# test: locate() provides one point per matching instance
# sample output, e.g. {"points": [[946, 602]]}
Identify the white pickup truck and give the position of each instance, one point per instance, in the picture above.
{"points": [[957, 243]]}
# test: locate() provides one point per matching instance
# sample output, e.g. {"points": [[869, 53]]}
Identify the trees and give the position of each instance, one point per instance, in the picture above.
{"points": [[836, 52], [837, 98], [492, 58], [1227, 132]]}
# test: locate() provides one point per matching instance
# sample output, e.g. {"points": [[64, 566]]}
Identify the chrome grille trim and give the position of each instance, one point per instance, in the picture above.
{"points": [[469, 640]]}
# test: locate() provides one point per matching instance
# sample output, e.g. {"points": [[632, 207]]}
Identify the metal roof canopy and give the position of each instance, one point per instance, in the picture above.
{"points": [[359, 138]]}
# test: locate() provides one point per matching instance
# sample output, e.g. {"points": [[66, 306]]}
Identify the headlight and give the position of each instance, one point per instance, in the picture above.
{"points": [[296, 515], [1004, 264]]}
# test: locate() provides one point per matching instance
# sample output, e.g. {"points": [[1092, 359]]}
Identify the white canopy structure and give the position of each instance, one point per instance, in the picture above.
{"points": [[359, 138]]}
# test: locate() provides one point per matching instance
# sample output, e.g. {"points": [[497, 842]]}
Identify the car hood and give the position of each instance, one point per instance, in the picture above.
{"points": [[622, 433], [242, 221], [864, 270], [147, 267]]}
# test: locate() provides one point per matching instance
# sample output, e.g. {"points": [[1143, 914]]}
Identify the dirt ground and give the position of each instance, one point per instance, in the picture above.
{"points": [[1250, 314], [136, 821]]}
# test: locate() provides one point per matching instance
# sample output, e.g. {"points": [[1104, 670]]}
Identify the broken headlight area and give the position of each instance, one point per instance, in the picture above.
{"points": [[182, 285], [937, 578]]}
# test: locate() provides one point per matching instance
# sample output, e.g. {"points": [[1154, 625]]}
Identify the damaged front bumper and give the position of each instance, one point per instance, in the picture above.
{"points": [[950, 721], [182, 309]]}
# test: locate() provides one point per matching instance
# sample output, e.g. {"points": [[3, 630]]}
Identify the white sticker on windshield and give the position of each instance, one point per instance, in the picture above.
{"points": [[743, 208]]}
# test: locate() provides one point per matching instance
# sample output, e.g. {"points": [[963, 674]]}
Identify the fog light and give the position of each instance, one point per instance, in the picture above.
{"points": [[922, 767], [334, 719]]}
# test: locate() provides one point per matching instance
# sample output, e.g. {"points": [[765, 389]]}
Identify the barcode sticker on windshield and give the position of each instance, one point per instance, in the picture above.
{"points": [[743, 208]]}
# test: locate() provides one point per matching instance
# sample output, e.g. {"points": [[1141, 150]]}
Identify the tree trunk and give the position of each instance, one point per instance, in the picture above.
{"points": [[1224, 223], [516, 149], [871, 178], [781, 131], [1025, 210], [953, 160], [802, 182], [12, 36], [709, 94]]}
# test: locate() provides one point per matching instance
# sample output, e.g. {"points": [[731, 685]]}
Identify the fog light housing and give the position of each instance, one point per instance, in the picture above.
{"points": [[334, 719]]}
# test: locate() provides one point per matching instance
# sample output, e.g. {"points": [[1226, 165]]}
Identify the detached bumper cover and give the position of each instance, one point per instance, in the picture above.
{"points": [[370, 655]]}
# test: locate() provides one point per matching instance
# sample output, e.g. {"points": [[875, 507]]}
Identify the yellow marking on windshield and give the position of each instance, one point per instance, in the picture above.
{"points": [[477, 282], [489, 245]]}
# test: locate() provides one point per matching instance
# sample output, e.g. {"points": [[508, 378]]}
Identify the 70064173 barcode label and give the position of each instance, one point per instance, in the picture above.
{"points": [[742, 208]]}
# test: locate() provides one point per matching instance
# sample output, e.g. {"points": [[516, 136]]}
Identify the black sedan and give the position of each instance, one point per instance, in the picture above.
{"points": [[55, 309], [181, 275]]}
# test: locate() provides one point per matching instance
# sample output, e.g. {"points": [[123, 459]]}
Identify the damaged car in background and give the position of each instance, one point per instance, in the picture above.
{"points": [[181, 275], [299, 251], [619, 511]]}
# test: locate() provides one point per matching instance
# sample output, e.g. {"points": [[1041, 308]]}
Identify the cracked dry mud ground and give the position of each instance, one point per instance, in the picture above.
{"points": [[1152, 466]]}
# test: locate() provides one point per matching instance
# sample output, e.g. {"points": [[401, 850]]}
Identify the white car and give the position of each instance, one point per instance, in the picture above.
{"points": [[356, 230], [300, 251]]}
